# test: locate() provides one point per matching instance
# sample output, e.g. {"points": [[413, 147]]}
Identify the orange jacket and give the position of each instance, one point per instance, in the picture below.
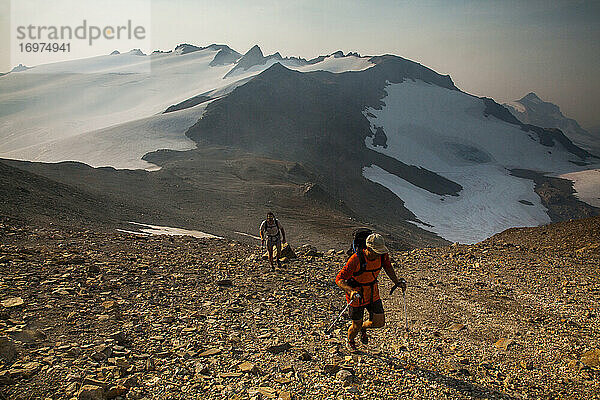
{"points": [[365, 282]]}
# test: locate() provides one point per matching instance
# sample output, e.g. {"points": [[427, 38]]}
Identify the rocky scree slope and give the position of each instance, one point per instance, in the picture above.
{"points": [[89, 314]]}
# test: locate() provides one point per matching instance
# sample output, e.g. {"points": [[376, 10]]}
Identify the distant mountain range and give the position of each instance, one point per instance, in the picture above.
{"points": [[376, 140], [532, 110]]}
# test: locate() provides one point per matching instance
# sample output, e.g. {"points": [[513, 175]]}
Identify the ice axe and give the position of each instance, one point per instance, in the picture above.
{"points": [[330, 328]]}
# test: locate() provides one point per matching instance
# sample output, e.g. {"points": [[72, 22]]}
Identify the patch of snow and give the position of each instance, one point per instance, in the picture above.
{"points": [[170, 231], [133, 233], [488, 204], [249, 235], [446, 132], [338, 64], [586, 185]]}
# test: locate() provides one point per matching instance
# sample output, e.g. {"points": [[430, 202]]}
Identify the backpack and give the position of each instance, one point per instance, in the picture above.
{"points": [[278, 228], [359, 243]]}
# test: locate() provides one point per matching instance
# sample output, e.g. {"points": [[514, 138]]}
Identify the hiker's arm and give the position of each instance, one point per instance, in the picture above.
{"points": [[389, 270], [346, 273], [283, 234], [261, 229], [343, 284]]}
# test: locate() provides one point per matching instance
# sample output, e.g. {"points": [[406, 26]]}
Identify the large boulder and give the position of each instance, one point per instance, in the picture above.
{"points": [[286, 252]]}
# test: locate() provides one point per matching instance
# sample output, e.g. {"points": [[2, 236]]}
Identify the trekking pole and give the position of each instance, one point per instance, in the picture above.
{"points": [[330, 328], [402, 283], [405, 315]]}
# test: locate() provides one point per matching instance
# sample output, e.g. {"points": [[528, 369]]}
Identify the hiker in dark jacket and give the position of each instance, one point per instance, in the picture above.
{"points": [[274, 234], [362, 291]]}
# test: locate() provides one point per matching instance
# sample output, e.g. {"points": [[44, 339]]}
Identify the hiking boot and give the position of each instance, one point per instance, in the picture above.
{"points": [[364, 338], [351, 346]]}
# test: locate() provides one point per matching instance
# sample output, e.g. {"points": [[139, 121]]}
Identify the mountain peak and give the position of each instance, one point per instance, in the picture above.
{"points": [[253, 57], [277, 67], [276, 56], [136, 52], [255, 51], [532, 110], [532, 97], [225, 55], [20, 68], [185, 48]]}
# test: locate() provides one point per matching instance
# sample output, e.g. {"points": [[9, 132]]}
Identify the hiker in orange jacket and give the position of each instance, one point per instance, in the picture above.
{"points": [[360, 284]]}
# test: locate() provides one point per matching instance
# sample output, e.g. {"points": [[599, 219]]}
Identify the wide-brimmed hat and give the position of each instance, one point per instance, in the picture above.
{"points": [[376, 243]]}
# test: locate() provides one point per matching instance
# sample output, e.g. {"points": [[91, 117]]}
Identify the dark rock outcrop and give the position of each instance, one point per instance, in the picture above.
{"points": [[191, 102]]}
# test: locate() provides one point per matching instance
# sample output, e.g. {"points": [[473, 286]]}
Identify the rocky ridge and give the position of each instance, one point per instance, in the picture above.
{"points": [[94, 315]]}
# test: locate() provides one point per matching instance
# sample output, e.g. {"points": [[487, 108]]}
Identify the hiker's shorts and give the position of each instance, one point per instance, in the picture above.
{"points": [[357, 313], [273, 241]]}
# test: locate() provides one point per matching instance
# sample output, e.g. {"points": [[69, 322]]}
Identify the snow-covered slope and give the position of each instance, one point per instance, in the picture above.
{"points": [[121, 146], [42, 105], [337, 64], [61, 111], [586, 185], [446, 132]]}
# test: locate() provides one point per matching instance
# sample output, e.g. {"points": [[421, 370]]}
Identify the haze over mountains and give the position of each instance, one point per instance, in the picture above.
{"points": [[381, 140], [530, 109]]}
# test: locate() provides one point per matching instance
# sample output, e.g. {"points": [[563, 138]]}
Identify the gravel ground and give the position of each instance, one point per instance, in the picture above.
{"points": [[110, 315]]}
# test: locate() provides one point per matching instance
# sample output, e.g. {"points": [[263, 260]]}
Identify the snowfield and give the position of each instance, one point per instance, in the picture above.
{"points": [[168, 230], [586, 185], [482, 209], [121, 146], [40, 109], [105, 110], [338, 64], [446, 132]]}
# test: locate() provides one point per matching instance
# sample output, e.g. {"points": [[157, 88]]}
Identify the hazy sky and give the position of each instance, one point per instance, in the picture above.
{"points": [[500, 49]]}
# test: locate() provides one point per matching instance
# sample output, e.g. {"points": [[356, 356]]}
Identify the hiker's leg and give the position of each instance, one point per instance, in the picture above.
{"points": [[376, 315], [354, 329], [270, 250], [278, 245], [376, 321], [356, 315]]}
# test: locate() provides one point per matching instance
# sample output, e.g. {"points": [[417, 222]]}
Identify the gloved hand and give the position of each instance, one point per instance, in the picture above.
{"points": [[354, 296], [401, 284]]}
